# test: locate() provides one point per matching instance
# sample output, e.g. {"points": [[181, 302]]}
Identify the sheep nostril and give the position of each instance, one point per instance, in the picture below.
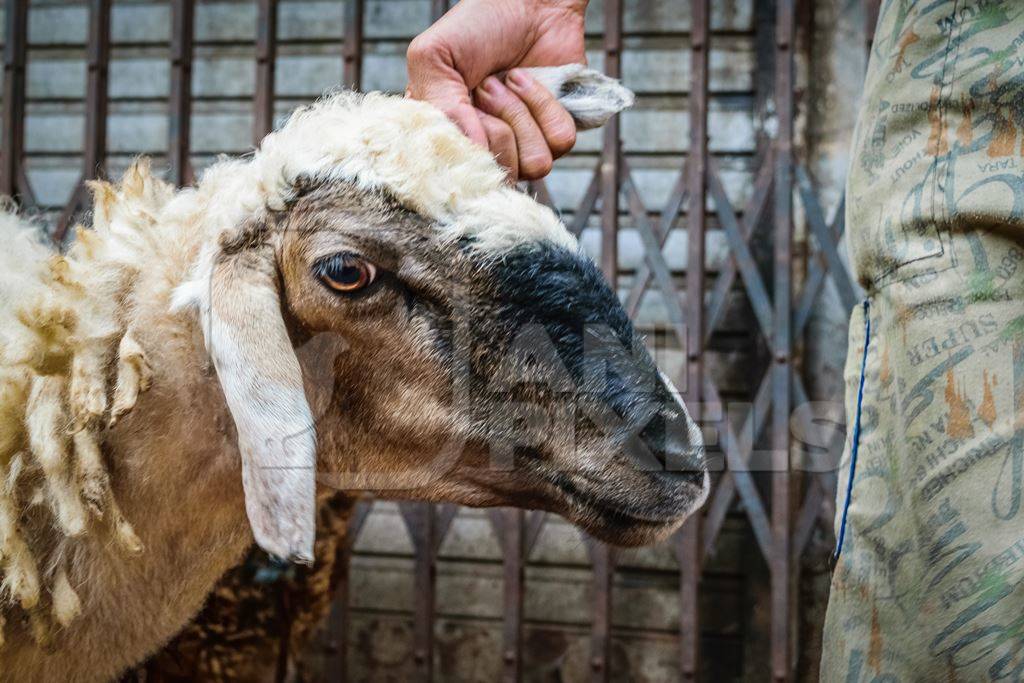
{"points": [[668, 438]]}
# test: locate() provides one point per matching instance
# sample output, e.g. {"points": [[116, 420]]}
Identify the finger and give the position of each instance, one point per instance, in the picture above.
{"points": [[534, 154], [459, 110], [502, 143], [554, 121], [464, 115]]}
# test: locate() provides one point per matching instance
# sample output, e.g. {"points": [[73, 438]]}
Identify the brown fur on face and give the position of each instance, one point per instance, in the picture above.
{"points": [[416, 380]]}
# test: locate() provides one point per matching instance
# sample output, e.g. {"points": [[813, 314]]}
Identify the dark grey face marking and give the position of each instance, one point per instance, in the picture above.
{"points": [[557, 361]]}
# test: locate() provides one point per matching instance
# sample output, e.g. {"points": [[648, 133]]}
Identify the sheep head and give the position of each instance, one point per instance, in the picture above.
{"points": [[385, 314]]}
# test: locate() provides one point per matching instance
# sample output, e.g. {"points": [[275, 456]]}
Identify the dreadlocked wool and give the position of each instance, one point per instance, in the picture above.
{"points": [[68, 368]]}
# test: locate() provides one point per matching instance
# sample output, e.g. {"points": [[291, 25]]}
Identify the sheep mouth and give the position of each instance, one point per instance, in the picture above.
{"points": [[611, 521]]}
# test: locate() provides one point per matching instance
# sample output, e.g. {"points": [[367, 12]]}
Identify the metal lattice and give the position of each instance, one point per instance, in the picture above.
{"points": [[782, 528]]}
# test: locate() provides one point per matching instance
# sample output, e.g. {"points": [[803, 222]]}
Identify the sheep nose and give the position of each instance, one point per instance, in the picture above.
{"points": [[669, 438]]}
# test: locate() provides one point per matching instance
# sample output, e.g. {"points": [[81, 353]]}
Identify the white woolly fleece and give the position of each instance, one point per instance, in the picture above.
{"points": [[406, 147], [385, 142]]}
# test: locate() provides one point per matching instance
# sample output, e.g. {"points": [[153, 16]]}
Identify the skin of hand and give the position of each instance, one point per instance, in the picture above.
{"points": [[466, 65]]}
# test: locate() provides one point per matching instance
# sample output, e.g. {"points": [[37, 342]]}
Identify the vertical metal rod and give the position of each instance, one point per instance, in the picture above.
{"points": [[513, 523], [782, 343], [180, 105], [602, 561], [266, 57], [12, 145], [94, 146], [340, 618], [422, 524], [688, 551], [689, 538], [610, 175], [98, 58], [352, 48], [871, 10], [438, 8]]}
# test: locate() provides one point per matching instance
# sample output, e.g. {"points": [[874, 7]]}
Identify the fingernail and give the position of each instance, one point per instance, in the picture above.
{"points": [[491, 85], [519, 79]]}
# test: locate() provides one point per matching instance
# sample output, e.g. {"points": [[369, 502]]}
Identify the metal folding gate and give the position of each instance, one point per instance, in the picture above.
{"points": [[781, 525]]}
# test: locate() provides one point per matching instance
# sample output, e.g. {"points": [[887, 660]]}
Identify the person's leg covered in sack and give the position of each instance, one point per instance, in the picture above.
{"points": [[929, 584]]}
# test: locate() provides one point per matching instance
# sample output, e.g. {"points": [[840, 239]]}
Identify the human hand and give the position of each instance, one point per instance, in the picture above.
{"points": [[465, 64]]}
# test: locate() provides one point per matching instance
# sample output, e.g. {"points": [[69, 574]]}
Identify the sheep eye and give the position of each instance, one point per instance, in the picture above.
{"points": [[346, 272]]}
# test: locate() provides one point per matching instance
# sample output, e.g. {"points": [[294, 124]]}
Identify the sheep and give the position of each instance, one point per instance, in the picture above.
{"points": [[362, 304]]}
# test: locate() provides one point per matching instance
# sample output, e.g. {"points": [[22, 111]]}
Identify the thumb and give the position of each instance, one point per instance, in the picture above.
{"points": [[433, 79]]}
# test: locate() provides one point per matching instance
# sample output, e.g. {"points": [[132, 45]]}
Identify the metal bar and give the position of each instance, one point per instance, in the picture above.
{"points": [[669, 216], [67, 214], [438, 8], [725, 489], [266, 59], [446, 513], [750, 431], [871, 11], [422, 524], [611, 151], [819, 504], [587, 204], [826, 239], [602, 560], [697, 177], [817, 271], [94, 147], [28, 197], [352, 47], [534, 525], [696, 181], [510, 526], [541, 193], [781, 597], [180, 102], [690, 557], [736, 459], [654, 258], [339, 620], [12, 145], [336, 666], [601, 556], [757, 292], [752, 214], [98, 59]]}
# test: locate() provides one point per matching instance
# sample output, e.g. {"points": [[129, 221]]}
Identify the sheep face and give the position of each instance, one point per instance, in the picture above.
{"points": [[438, 370]]}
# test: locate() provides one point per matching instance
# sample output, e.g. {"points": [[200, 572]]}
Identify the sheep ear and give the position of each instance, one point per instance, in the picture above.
{"points": [[262, 383], [591, 97]]}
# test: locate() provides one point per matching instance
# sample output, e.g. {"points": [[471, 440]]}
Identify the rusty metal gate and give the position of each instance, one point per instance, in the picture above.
{"points": [[781, 522]]}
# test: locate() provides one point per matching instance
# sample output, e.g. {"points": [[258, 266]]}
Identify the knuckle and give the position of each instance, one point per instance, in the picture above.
{"points": [[508, 108], [535, 167], [422, 48], [519, 118], [502, 133], [562, 137]]}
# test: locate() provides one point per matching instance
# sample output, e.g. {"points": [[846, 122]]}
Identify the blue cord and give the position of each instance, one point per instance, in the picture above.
{"points": [[855, 446]]}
